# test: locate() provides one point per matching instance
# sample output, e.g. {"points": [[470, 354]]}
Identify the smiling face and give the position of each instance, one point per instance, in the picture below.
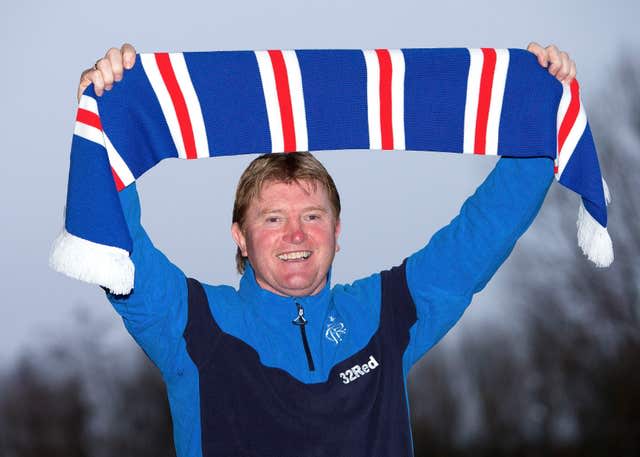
{"points": [[290, 237]]}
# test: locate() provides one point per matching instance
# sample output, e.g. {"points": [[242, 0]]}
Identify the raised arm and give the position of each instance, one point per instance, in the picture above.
{"points": [[155, 312], [460, 259]]}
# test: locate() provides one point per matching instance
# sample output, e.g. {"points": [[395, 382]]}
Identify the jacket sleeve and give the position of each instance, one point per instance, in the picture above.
{"points": [[460, 258], [155, 312]]}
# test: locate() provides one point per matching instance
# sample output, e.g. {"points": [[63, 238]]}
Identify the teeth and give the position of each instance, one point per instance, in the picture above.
{"points": [[294, 255]]}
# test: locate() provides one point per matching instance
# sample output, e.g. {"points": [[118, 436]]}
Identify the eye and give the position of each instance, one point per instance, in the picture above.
{"points": [[313, 217], [273, 219]]}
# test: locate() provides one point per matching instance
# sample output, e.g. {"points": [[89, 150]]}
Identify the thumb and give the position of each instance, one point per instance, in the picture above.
{"points": [[84, 82]]}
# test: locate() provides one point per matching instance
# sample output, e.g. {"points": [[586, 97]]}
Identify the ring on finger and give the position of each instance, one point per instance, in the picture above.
{"points": [[95, 65]]}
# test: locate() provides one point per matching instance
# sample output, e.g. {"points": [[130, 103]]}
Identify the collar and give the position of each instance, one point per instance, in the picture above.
{"points": [[277, 308]]}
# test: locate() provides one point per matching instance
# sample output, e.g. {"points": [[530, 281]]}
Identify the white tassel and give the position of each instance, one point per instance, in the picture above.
{"points": [[94, 263], [607, 194], [594, 239]]}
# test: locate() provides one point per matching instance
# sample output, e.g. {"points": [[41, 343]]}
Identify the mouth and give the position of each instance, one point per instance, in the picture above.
{"points": [[293, 256]]}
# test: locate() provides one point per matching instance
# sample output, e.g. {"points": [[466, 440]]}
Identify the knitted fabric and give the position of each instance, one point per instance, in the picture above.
{"points": [[205, 104]]}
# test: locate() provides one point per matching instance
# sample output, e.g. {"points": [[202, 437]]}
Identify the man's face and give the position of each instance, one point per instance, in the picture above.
{"points": [[290, 237]]}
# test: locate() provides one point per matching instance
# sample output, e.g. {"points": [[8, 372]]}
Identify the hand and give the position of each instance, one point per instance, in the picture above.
{"points": [[108, 69], [558, 62]]}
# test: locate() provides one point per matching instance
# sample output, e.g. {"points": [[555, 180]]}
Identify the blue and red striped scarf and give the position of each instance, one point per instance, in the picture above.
{"points": [[206, 104]]}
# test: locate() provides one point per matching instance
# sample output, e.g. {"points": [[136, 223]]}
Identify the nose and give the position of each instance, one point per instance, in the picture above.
{"points": [[294, 232]]}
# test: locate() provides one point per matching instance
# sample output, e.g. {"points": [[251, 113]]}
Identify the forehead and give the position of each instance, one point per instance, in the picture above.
{"points": [[296, 193]]}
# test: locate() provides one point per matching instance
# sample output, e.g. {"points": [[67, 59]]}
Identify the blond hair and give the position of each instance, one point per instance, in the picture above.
{"points": [[279, 167]]}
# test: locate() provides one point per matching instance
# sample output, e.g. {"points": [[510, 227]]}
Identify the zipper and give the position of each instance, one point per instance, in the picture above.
{"points": [[300, 321]]}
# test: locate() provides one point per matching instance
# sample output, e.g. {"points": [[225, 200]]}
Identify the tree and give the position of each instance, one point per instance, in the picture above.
{"points": [[77, 398], [565, 383], [40, 417], [584, 322]]}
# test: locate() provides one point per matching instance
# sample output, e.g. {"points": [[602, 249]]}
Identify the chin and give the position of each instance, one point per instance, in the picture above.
{"points": [[297, 289], [300, 286]]}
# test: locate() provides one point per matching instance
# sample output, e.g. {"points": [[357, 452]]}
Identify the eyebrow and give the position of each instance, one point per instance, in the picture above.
{"points": [[316, 208], [280, 211]]}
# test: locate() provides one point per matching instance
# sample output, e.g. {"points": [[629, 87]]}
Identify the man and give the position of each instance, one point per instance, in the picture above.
{"points": [[288, 365]]}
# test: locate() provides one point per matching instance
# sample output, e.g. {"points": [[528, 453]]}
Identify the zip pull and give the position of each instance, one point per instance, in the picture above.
{"points": [[300, 321]]}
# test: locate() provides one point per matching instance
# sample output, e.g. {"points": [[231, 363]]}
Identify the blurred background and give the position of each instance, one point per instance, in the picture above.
{"points": [[546, 361]]}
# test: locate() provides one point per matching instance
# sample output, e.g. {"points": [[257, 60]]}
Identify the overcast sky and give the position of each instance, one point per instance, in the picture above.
{"points": [[392, 202]]}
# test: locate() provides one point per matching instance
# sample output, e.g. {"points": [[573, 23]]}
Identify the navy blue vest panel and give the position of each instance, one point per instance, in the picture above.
{"points": [[248, 409]]}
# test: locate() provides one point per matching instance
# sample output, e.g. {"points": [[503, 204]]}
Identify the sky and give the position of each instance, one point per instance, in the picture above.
{"points": [[392, 202]]}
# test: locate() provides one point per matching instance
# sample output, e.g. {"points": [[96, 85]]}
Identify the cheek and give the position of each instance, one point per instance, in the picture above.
{"points": [[261, 241], [325, 235]]}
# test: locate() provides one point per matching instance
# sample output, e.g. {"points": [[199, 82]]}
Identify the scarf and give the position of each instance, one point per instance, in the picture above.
{"points": [[194, 105]]}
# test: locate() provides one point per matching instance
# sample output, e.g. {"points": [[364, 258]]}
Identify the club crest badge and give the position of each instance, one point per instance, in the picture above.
{"points": [[335, 330]]}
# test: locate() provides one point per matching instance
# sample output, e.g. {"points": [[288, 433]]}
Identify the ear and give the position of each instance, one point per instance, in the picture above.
{"points": [[239, 238], [336, 232]]}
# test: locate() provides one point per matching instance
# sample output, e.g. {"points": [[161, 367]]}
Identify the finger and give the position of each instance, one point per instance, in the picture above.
{"points": [[555, 62], [572, 72], [539, 52], [115, 61], [128, 55], [84, 81], [104, 69], [565, 66], [98, 82], [91, 76]]}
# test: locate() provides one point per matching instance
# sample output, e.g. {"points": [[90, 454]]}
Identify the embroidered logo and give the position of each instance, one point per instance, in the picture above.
{"points": [[356, 371], [335, 330]]}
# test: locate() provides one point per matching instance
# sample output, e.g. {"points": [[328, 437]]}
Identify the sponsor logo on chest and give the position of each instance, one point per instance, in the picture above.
{"points": [[356, 371]]}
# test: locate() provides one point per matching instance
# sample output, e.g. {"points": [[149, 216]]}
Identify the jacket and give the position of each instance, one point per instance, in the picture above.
{"points": [[249, 372]]}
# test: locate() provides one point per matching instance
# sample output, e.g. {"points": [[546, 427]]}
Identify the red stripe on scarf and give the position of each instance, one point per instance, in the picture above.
{"points": [[89, 118], [179, 103], [386, 124], [117, 180], [571, 115], [484, 99], [284, 99]]}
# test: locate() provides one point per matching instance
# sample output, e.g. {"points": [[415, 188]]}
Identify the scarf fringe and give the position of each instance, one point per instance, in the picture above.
{"points": [[607, 194], [594, 239], [94, 263]]}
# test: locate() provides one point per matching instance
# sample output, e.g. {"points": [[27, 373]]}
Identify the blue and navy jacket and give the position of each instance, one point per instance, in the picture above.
{"points": [[252, 373]]}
